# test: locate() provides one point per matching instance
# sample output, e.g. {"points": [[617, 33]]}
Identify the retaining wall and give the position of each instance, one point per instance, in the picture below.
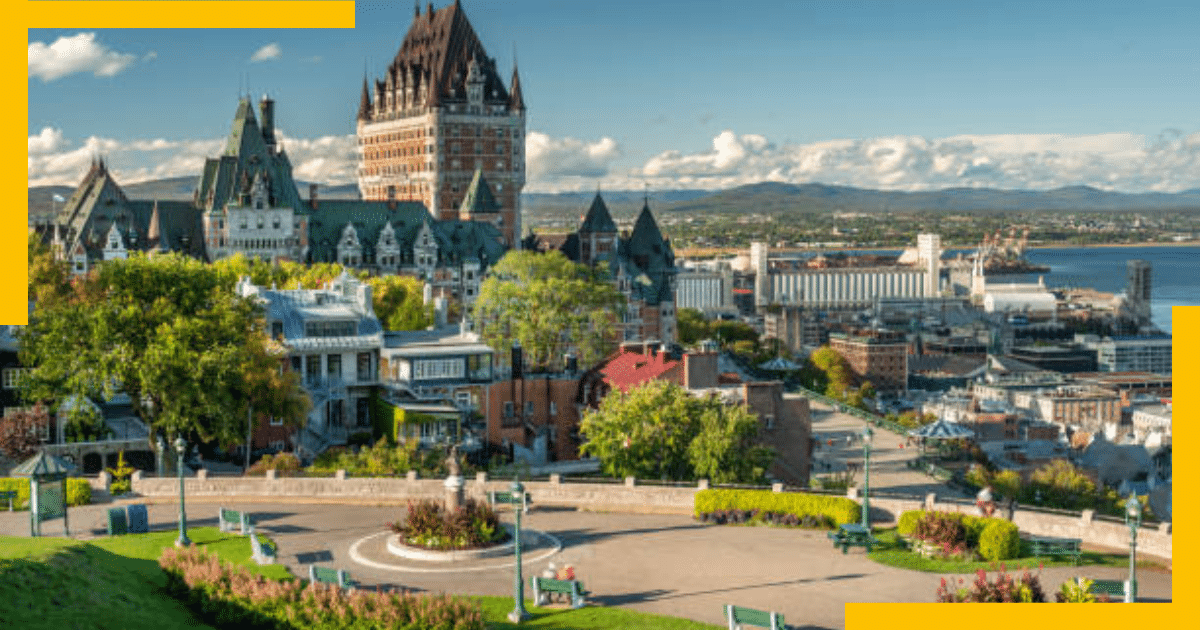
{"points": [[610, 497]]}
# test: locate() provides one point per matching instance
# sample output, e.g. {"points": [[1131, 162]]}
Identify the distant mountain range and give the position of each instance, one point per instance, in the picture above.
{"points": [[763, 198]]}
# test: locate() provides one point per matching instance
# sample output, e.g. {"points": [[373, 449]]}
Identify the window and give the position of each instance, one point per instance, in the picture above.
{"points": [[312, 369], [276, 422], [329, 329], [333, 365], [528, 408], [553, 408], [364, 366], [438, 368], [278, 445], [276, 329], [508, 409], [12, 377], [363, 415]]}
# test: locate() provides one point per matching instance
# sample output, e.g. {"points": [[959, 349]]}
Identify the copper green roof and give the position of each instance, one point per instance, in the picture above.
{"points": [[598, 220], [227, 179], [42, 466], [479, 199]]}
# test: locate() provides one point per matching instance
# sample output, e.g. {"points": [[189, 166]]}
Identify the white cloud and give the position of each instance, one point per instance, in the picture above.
{"points": [[1114, 161], [547, 157], [150, 56], [329, 160], [45, 142], [270, 51], [76, 53]]}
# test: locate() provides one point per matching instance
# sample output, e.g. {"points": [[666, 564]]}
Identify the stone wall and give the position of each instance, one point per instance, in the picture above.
{"points": [[606, 497]]}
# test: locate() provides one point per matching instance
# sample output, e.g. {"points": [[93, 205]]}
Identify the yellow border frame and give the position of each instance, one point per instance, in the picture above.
{"points": [[340, 14]]}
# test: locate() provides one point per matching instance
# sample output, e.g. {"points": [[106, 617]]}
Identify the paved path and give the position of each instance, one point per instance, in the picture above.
{"points": [[654, 563]]}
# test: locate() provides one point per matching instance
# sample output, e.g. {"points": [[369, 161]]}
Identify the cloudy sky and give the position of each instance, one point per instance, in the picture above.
{"points": [[698, 94]]}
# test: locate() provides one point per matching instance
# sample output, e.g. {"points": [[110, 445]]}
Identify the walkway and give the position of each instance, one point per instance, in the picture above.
{"points": [[663, 564]]}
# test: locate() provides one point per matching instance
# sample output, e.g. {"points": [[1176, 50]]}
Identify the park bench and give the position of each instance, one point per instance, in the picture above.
{"points": [[334, 577], [739, 616], [228, 518], [261, 552], [138, 519], [1112, 588], [117, 525], [11, 495], [851, 535], [1056, 547], [543, 587]]}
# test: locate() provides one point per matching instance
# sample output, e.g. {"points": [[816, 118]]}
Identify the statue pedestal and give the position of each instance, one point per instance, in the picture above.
{"points": [[454, 492]]}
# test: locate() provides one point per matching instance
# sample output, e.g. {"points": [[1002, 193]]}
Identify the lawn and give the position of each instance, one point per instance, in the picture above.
{"points": [[115, 583], [894, 553]]}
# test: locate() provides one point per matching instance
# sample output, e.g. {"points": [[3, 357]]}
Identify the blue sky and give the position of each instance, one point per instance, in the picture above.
{"points": [[704, 94]]}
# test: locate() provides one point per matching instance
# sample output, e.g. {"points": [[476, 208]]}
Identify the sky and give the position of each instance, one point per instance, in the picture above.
{"points": [[671, 94]]}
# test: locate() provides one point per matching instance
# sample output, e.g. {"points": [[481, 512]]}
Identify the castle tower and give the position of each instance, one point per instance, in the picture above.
{"points": [[440, 113]]}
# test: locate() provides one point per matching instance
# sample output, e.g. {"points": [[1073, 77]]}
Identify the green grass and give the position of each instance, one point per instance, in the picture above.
{"points": [[893, 552], [105, 583], [116, 583]]}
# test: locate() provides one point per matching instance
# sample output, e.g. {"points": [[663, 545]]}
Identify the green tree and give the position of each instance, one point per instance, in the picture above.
{"points": [[839, 378], [692, 326], [1061, 484], [49, 278], [549, 305], [167, 330], [658, 430], [399, 303]]}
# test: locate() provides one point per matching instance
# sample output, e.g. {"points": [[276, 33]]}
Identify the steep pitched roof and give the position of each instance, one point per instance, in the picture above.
{"points": [[648, 259], [226, 179], [364, 103], [598, 220], [468, 241], [479, 199], [515, 100], [437, 51], [369, 218]]}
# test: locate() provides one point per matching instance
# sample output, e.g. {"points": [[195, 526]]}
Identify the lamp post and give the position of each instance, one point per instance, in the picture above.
{"points": [[866, 502], [1133, 518], [519, 613], [182, 541]]}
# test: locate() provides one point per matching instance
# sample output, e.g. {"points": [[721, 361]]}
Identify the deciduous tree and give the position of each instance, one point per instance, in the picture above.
{"points": [[20, 432]]}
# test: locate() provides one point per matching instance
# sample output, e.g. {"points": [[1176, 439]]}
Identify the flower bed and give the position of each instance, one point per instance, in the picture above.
{"points": [[722, 517], [473, 525], [229, 596], [954, 535]]}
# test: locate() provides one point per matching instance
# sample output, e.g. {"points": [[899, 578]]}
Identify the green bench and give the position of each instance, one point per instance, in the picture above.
{"points": [[260, 552], [851, 535], [11, 495], [334, 577], [543, 587], [497, 497], [1056, 547], [226, 519], [738, 616], [1112, 588]]}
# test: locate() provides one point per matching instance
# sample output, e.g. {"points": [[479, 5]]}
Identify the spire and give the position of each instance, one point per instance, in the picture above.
{"points": [[515, 100], [479, 198], [154, 231], [598, 220], [364, 104]]}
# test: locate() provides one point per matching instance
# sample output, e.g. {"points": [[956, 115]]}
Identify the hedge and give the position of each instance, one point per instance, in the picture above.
{"points": [[840, 509], [79, 492]]}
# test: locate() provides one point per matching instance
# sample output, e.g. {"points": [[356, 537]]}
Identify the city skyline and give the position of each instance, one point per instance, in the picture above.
{"points": [[902, 96]]}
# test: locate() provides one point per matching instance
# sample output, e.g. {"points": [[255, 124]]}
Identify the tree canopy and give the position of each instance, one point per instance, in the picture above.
{"points": [[550, 306], [658, 430], [168, 331]]}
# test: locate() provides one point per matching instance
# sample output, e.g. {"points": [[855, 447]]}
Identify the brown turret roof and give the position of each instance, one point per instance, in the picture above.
{"points": [[515, 100], [437, 51], [364, 105]]}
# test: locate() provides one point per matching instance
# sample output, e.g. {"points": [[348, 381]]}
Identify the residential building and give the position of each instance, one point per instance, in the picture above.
{"points": [[440, 113], [1140, 353]]}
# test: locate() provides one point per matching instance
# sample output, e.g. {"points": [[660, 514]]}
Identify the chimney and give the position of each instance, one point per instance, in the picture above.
{"points": [[391, 197], [312, 196], [699, 370], [267, 109], [517, 362], [439, 312]]}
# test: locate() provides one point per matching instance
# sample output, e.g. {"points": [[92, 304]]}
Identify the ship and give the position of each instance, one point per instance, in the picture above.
{"points": [[1007, 256]]}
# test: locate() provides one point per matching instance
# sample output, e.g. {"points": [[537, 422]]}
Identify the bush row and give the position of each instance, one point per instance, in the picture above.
{"points": [[994, 538], [229, 596], [79, 492], [838, 510], [721, 517]]}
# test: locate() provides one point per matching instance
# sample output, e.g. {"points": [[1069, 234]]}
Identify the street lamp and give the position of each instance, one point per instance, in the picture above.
{"points": [[1133, 518], [866, 503], [182, 541], [519, 613]]}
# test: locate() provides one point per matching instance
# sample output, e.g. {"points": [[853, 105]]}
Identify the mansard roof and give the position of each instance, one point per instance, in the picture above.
{"points": [[227, 179], [437, 51], [598, 220], [326, 224], [479, 198], [469, 241]]}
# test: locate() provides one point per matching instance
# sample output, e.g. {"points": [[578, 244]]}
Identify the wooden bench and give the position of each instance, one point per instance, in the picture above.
{"points": [[496, 497], [334, 577], [1112, 588], [117, 525], [260, 552], [1056, 547], [139, 519], [226, 519], [11, 495], [738, 616], [543, 587], [851, 535]]}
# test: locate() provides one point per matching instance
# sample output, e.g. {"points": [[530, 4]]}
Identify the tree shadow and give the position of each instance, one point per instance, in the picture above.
{"points": [[583, 536]]}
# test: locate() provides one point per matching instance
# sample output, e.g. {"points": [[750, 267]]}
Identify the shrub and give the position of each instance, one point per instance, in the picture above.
{"points": [[999, 541], [79, 492], [940, 528], [908, 522], [284, 465], [229, 596], [121, 483], [1026, 589], [1075, 592], [839, 510]]}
